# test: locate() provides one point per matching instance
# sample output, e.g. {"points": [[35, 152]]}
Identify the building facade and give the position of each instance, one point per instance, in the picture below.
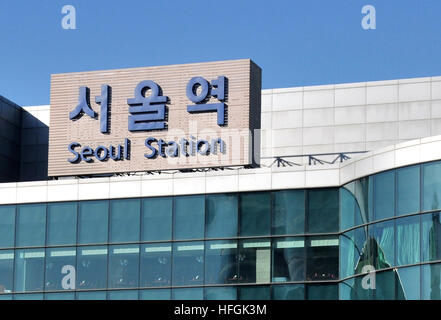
{"points": [[347, 191]]}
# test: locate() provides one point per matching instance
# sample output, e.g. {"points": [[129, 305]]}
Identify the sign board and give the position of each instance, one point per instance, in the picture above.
{"points": [[154, 118]]}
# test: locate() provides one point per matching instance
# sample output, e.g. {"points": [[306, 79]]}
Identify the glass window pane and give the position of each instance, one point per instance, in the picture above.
{"points": [[60, 268], [431, 281], [125, 220], [322, 292], [157, 219], [289, 292], [5, 296], [188, 294], [347, 207], [221, 293], [188, 263], [92, 267], [255, 261], [384, 195], [7, 226], [355, 289], [123, 266], [289, 212], [364, 194], [189, 217], [6, 270], [289, 259], [93, 222], [27, 296], [431, 237], [221, 216], [409, 283], [156, 265], [123, 295], [323, 210], [385, 283], [322, 258], [29, 270], [60, 296], [92, 295], [62, 223], [31, 225], [254, 293], [408, 240], [431, 186], [221, 262], [255, 214], [155, 294], [353, 252], [408, 190], [382, 245], [346, 289], [347, 254]]}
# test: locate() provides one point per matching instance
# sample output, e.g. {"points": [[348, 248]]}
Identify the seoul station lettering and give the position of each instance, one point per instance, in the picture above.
{"points": [[164, 149], [149, 113]]}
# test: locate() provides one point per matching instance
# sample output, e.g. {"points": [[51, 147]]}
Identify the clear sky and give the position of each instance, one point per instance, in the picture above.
{"points": [[296, 42]]}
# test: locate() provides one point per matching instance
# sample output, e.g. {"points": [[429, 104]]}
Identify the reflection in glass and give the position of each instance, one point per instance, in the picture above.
{"points": [[6, 270], [124, 220], [382, 245], [188, 294], [189, 218], [92, 267], [157, 218], [123, 266], [431, 237], [289, 292], [323, 210], [221, 262], [156, 265], [431, 281], [347, 206], [289, 212], [408, 240], [289, 260], [353, 252], [221, 215], [93, 217], [60, 268], [188, 263], [29, 270], [408, 190], [254, 261], [385, 286], [31, 225], [410, 281], [384, 195], [322, 258], [7, 226], [220, 293], [431, 186], [255, 214], [62, 223]]}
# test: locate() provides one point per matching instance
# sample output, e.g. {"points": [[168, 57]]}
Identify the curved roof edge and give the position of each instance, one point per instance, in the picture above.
{"points": [[240, 180]]}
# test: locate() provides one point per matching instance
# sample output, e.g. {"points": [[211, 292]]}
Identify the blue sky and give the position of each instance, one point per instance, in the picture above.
{"points": [[296, 43]]}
